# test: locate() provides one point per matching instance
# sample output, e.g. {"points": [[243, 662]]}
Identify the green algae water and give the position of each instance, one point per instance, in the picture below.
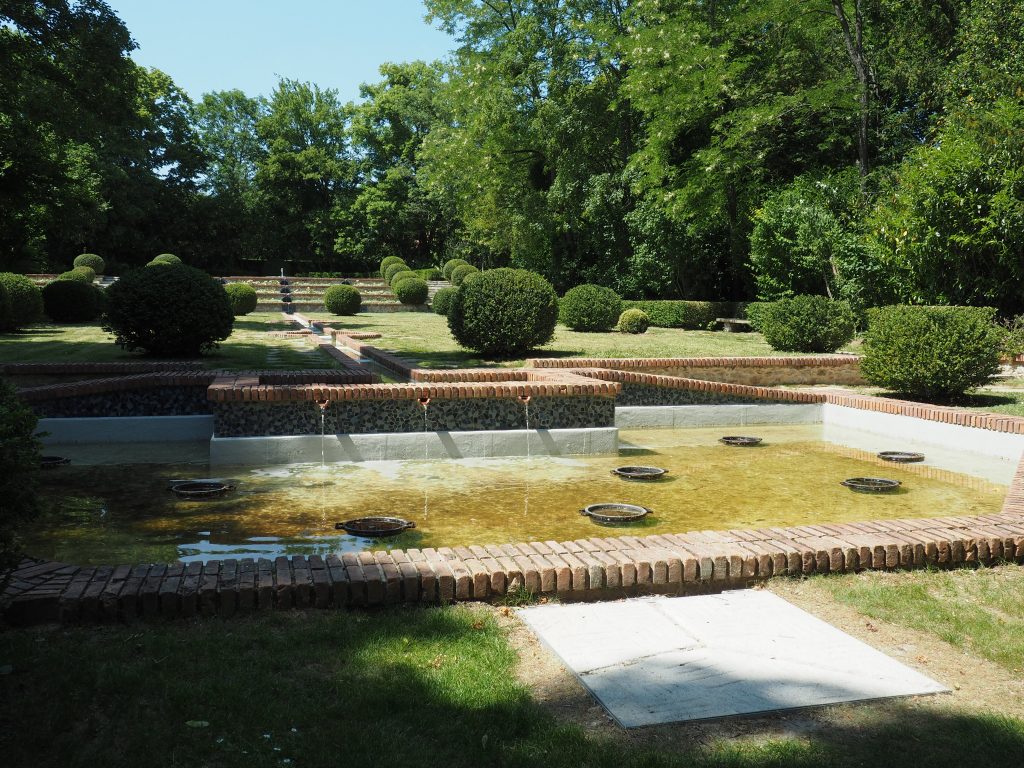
{"points": [[110, 513]]}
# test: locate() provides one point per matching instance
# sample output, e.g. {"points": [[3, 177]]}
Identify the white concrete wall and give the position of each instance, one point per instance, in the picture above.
{"points": [[634, 417], [294, 449], [126, 429]]}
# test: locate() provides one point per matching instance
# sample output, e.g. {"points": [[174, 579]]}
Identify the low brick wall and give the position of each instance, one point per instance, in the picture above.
{"points": [[756, 371]]}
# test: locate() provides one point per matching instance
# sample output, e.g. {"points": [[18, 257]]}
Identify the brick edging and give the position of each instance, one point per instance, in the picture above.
{"points": [[778, 361]]}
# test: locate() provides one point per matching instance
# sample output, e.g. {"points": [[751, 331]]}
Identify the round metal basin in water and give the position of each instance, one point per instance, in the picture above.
{"points": [[375, 527], [200, 489], [49, 462], [871, 484], [901, 457], [639, 473], [610, 513], [740, 440]]}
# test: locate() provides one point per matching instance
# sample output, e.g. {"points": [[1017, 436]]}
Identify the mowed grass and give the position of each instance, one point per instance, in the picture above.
{"points": [[252, 345], [980, 611], [424, 339], [406, 686]]}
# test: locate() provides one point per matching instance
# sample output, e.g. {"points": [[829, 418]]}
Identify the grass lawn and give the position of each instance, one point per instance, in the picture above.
{"points": [[438, 687], [425, 339], [252, 345]]}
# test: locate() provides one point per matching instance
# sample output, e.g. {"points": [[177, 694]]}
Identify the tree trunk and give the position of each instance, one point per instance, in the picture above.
{"points": [[854, 40]]}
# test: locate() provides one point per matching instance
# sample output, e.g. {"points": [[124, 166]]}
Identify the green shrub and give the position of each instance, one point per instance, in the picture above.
{"points": [[78, 275], [590, 308], [243, 298], [397, 277], [393, 269], [752, 312], [459, 274], [504, 312], [342, 300], [446, 270], [634, 321], [91, 260], [1012, 344], [69, 301], [691, 315], [411, 290], [429, 273], [807, 324], [443, 300], [387, 261], [935, 353], [24, 302], [19, 469], [166, 258], [172, 311]]}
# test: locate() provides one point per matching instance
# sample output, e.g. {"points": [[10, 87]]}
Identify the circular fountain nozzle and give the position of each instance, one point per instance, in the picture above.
{"points": [[424, 401], [871, 484], [609, 513], [375, 527], [901, 457], [639, 473], [524, 398], [740, 440], [323, 404]]}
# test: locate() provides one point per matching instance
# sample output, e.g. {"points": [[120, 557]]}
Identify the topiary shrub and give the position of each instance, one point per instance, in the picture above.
{"points": [[394, 268], [243, 298], [504, 312], [24, 302], [166, 258], [396, 277], [387, 261], [446, 270], [590, 308], [91, 260], [634, 321], [443, 300], [411, 290], [460, 273], [807, 324], [78, 275], [429, 273], [19, 469], [342, 300], [69, 301], [677, 313], [753, 312], [935, 353], [171, 311]]}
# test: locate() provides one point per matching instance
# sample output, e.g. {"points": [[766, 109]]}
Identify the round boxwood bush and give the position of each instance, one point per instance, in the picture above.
{"points": [[807, 324], [446, 269], [443, 300], [91, 260], [78, 275], [387, 261], [590, 308], [504, 312], [404, 274], [634, 321], [171, 311], [24, 301], [934, 353], [393, 269], [342, 300], [164, 258], [411, 290], [242, 296], [459, 274], [70, 301]]}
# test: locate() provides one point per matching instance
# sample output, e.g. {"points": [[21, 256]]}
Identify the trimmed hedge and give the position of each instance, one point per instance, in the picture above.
{"points": [[393, 269], [242, 296], [934, 353], [443, 300], [634, 321], [70, 301], [411, 290], [807, 324], [343, 300], [166, 258], [91, 260], [590, 308], [387, 261], [172, 311], [397, 277], [461, 272], [691, 315], [79, 275], [504, 312], [446, 270], [24, 302]]}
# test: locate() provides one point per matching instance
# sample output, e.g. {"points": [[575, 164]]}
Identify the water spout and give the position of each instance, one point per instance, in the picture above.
{"points": [[525, 400], [323, 414]]}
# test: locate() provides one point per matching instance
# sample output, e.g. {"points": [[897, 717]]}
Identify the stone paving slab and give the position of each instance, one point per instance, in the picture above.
{"points": [[669, 659]]}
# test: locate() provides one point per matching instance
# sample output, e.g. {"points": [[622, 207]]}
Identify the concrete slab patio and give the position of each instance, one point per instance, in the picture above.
{"points": [[669, 659]]}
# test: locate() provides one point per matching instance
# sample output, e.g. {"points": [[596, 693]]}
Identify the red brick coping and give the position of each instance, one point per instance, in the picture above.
{"points": [[73, 369], [811, 361], [593, 568]]}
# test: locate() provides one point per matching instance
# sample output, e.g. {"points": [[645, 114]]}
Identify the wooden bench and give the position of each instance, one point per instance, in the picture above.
{"points": [[734, 324]]}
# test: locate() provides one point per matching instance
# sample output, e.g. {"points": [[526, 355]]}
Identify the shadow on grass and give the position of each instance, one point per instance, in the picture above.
{"points": [[404, 687]]}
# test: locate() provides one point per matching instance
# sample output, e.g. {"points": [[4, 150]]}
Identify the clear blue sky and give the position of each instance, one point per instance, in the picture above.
{"points": [[212, 45]]}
